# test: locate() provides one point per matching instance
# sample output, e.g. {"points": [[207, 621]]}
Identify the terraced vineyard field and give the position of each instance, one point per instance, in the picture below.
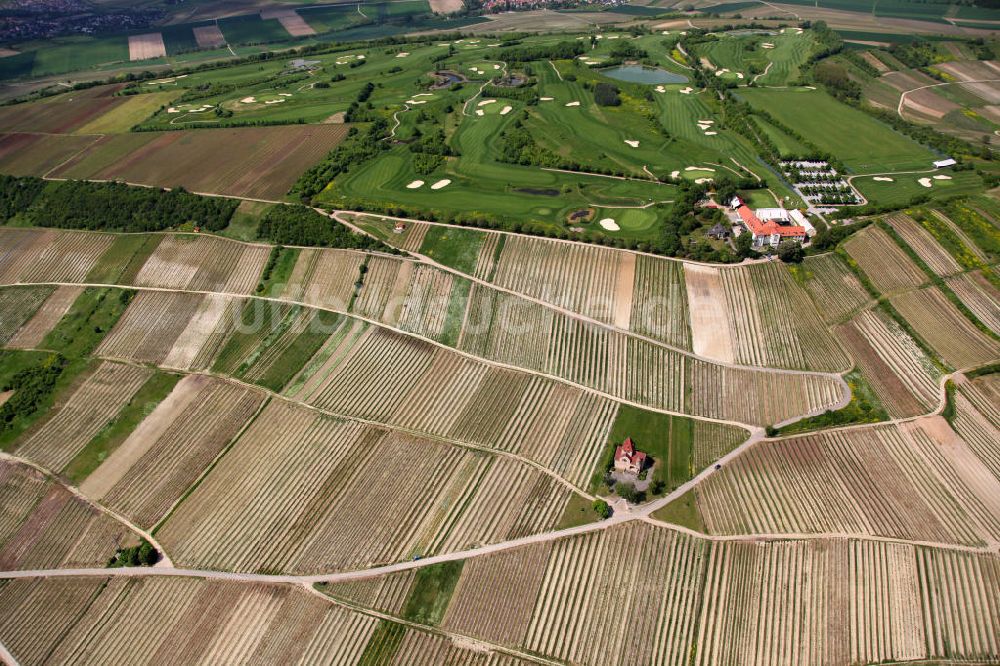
{"points": [[883, 261], [432, 497], [943, 326], [884, 481], [923, 243], [980, 296], [44, 525], [33, 331], [834, 288], [31, 255], [203, 263], [903, 377], [19, 305]]}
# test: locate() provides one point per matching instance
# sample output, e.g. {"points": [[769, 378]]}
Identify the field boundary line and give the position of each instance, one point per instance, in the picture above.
{"points": [[6, 657], [500, 364], [165, 560], [424, 259], [455, 637], [903, 94]]}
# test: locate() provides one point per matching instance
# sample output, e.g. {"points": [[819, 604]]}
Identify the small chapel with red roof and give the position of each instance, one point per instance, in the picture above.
{"points": [[628, 458]]}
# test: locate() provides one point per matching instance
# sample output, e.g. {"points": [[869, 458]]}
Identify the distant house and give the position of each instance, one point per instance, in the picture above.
{"points": [[719, 232], [735, 203], [629, 459], [940, 164], [770, 232], [399, 228]]}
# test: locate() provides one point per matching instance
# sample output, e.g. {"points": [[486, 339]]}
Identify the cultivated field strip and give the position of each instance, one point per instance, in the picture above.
{"points": [[980, 296], [324, 278], [579, 278], [736, 394], [204, 333], [834, 288], [203, 263], [903, 377], [414, 237], [960, 604], [489, 253], [512, 577], [100, 621], [150, 326], [924, 244], [503, 327], [887, 266], [34, 255], [712, 441], [164, 455], [93, 405], [774, 322], [43, 525], [385, 285], [433, 304], [309, 507], [18, 306], [34, 330], [943, 326], [881, 481], [384, 593], [659, 302], [419, 648], [976, 418]]}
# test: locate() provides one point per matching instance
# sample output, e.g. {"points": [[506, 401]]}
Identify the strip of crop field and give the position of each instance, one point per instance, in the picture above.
{"points": [[150, 327], [882, 480], [774, 322], [98, 621], [325, 277], [883, 261], [31, 255], [835, 289], [903, 377], [164, 455], [44, 525], [385, 593], [18, 305], [34, 330], [92, 406], [976, 418], [324, 476], [943, 326], [659, 302], [203, 263], [204, 334], [923, 243], [980, 296]]}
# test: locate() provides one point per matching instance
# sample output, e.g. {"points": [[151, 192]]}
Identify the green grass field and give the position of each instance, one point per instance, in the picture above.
{"points": [[904, 188], [667, 439], [862, 143]]}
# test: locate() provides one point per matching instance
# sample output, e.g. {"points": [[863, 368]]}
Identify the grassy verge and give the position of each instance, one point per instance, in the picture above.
{"points": [[301, 350], [112, 435], [38, 386], [864, 407], [122, 261], [383, 644], [683, 511], [431, 592], [579, 511], [277, 270], [454, 247], [90, 318]]}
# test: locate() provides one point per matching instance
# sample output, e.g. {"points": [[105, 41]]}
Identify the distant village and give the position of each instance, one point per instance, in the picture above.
{"points": [[24, 20], [497, 6]]}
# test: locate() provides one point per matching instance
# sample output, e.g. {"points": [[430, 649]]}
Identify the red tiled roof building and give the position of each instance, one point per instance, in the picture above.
{"points": [[628, 458]]}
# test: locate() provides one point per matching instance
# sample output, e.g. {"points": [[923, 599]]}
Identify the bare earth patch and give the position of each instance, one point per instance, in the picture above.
{"points": [[144, 47], [623, 291], [445, 6], [290, 21], [209, 37], [5, 396], [710, 336]]}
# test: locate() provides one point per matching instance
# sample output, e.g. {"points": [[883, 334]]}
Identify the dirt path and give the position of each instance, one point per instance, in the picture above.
{"points": [[556, 69], [902, 97], [164, 562], [6, 657]]}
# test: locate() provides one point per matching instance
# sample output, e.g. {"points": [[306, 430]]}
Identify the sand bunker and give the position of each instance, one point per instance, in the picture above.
{"points": [[274, 101], [883, 179], [942, 177], [402, 54], [173, 110], [660, 89], [686, 91], [609, 224], [739, 75], [926, 182], [415, 184], [496, 66], [424, 95], [486, 101], [699, 181], [710, 133], [441, 183], [545, 99], [633, 143], [248, 100], [480, 112], [675, 174], [416, 101], [572, 104], [697, 168], [505, 110]]}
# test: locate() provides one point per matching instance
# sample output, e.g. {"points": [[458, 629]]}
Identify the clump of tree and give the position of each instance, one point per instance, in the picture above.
{"points": [[357, 149], [77, 204], [606, 94], [791, 252], [299, 225], [30, 386], [143, 555], [560, 51], [837, 80], [601, 508]]}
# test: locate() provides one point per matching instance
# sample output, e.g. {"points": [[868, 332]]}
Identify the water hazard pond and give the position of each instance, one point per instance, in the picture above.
{"points": [[640, 74]]}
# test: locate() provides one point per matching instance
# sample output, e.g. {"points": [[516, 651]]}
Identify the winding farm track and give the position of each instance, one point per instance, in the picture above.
{"points": [[902, 96]]}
